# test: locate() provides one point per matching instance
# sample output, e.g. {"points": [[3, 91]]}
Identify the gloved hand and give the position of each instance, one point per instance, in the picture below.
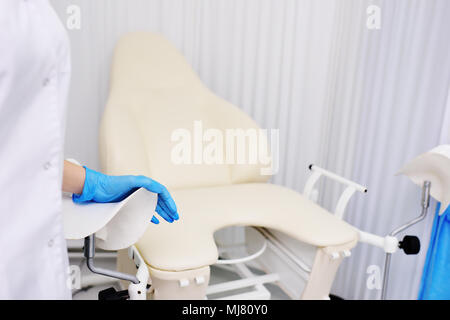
{"points": [[99, 187]]}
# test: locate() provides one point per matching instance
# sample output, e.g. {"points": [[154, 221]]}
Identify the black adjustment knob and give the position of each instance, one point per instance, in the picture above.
{"points": [[112, 294], [410, 245]]}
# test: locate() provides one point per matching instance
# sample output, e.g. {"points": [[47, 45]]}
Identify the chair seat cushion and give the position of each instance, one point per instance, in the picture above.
{"points": [[189, 243]]}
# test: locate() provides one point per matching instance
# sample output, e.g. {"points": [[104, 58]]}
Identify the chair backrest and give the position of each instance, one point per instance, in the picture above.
{"points": [[156, 101]]}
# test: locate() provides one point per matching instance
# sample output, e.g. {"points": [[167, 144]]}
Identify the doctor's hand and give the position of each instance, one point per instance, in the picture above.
{"points": [[103, 188]]}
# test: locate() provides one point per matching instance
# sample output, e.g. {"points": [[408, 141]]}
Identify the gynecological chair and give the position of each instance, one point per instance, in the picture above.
{"points": [[153, 93]]}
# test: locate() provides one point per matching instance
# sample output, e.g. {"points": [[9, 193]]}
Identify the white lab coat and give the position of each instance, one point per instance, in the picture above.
{"points": [[34, 80]]}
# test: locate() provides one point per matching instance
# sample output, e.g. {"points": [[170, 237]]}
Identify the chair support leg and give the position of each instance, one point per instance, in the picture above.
{"points": [[322, 275]]}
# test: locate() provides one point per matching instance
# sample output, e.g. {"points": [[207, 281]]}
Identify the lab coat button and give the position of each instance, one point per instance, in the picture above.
{"points": [[50, 243], [47, 165], [46, 82]]}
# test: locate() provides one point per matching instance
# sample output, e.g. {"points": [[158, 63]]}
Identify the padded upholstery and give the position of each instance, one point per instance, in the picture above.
{"points": [[153, 92], [189, 243]]}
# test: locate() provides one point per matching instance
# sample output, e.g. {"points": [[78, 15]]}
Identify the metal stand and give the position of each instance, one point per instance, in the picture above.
{"points": [[138, 287], [425, 205], [89, 253]]}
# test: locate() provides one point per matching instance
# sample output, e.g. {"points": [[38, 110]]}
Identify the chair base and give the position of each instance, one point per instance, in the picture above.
{"points": [[322, 276], [169, 285], [192, 284]]}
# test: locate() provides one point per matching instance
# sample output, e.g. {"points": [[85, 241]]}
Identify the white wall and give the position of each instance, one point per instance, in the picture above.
{"points": [[357, 101]]}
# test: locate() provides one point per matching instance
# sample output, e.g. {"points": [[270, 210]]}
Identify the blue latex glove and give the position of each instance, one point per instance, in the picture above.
{"points": [[99, 187]]}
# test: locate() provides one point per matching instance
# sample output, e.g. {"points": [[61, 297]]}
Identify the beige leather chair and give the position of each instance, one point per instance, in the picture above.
{"points": [[153, 92]]}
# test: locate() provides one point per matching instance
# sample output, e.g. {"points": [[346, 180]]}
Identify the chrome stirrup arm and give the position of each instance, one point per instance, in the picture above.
{"points": [[89, 253], [425, 205]]}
